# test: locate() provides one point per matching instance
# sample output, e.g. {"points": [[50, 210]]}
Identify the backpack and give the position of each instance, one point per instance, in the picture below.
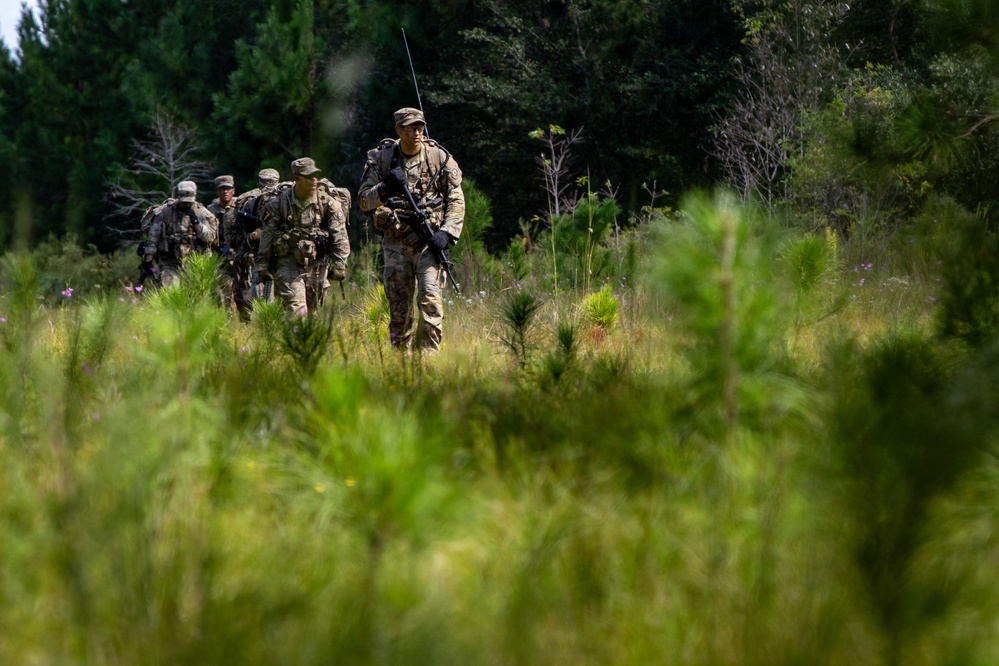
{"points": [[340, 195], [385, 156], [147, 221]]}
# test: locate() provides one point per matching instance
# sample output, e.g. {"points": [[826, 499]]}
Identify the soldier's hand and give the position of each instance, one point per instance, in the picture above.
{"points": [[264, 276], [441, 239], [194, 216], [338, 273], [394, 183], [255, 235]]}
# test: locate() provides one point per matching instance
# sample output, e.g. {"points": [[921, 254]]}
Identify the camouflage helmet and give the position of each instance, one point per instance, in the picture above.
{"points": [[187, 191], [305, 166], [268, 177], [408, 116]]}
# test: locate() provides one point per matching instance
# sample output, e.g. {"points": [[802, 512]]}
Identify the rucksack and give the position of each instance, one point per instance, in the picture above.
{"points": [[147, 220], [340, 195], [151, 212]]}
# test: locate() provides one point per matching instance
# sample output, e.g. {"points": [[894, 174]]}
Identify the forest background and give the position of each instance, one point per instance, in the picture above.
{"points": [[662, 95], [720, 388]]}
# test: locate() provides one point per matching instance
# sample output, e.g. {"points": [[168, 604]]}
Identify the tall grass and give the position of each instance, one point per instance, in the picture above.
{"points": [[754, 468]]}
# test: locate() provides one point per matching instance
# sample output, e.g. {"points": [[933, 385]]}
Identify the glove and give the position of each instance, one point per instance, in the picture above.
{"points": [[441, 239], [338, 274], [189, 211], [394, 183]]}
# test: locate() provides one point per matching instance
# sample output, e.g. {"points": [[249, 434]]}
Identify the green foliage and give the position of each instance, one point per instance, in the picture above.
{"points": [[306, 339], [478, 220], [469, 255], [809, 265], [809, 260], [517, 317], [269, 318], [716, 265], [200, 279], [21, 283], [890, 413], [516, 266], [969, 308], [602, 308], [162, 459], [704, 487], [854, 172], [578, 241], [278, 75]]}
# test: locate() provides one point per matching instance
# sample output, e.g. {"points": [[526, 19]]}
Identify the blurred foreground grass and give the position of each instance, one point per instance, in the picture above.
{"points": [[771, 458]]}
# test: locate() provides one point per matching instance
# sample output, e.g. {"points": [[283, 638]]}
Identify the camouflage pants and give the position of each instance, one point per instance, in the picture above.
{"points": [[413, 272], [169, 270], [303, 289], [236, 288]]}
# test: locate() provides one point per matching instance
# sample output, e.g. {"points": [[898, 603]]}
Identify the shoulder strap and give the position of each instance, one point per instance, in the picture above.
{"points": [[152, 212]]}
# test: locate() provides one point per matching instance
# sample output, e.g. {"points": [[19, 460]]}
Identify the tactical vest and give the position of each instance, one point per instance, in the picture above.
{"points": [[387, 155], [178, 238], [332, 199], [308, 242]]}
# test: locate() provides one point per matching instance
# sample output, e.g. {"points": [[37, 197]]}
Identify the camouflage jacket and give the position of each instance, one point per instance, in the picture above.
{"points": [[311, 231], [421, 169], [227, 221], [172, 232]]}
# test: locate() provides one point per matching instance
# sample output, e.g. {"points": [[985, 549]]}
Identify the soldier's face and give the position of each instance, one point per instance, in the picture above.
{"points": [[226, 195], [410, 137], [305, 186]]}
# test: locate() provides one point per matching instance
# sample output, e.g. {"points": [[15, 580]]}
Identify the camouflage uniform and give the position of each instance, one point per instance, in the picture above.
{"points": [[174, 235], [246, 240], [410, 268], [301, 240], [236, 286]]}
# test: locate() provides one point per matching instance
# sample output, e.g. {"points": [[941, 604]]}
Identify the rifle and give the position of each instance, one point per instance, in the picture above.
{"points": [[145, 270], [243, 217], [324, 249], [417, 220]]}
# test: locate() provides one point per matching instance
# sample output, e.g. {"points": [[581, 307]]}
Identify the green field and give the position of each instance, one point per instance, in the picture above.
{"points": [[739, 445]]}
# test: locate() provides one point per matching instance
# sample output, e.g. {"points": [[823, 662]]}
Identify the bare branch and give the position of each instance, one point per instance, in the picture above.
{"points": [[787, 69], [167, 156]]}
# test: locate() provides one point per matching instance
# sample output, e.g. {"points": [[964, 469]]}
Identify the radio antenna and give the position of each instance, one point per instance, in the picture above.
{"points": [[412, 71]]}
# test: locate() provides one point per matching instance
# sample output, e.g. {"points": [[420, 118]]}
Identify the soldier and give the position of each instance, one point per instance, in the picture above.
{"points": [[246, 243], [434, 179], [236, 287], [304, 240], [248, 201], [178, 229]]}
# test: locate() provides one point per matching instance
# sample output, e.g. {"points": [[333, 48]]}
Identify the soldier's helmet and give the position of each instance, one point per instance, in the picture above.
{"points": [[267, 177], [408, 116], [187, 191], [305, 166]]}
